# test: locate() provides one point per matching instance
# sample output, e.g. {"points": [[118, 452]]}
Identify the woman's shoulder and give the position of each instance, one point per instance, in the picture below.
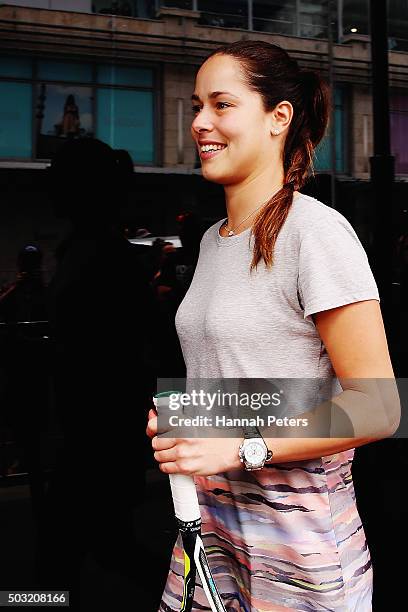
{"points": [[211, 232], [307, 214]]}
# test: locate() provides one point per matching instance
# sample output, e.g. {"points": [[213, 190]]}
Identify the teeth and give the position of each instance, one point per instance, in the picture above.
{"points": [[211, 147]]}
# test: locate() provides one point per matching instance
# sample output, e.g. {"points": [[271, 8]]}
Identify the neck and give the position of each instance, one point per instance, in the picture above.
{"points": [[245, 197]]}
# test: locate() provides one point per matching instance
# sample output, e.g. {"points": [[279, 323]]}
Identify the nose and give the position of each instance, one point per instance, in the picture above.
{"points": [[202, 121]]}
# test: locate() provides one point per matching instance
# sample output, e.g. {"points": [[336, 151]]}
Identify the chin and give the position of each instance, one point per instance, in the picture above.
{"points": [[215, 177], [209, 174]]}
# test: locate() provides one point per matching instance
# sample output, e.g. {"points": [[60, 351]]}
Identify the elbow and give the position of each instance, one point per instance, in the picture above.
{"points": [[392, 412], [394, 427]]}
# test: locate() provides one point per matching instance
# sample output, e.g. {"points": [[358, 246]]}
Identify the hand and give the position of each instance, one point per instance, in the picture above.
{"points": [[195, 456], [151, 429]]}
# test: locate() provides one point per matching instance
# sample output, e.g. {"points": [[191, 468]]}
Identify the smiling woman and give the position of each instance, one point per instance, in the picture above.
{"points": [[282, 290]]}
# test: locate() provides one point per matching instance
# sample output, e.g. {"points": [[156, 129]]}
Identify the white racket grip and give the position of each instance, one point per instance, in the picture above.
{"points": [[185, 499], [183, 489]]}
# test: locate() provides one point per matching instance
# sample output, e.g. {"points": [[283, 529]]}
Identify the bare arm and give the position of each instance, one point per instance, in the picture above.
{"points": [[356, 343]]}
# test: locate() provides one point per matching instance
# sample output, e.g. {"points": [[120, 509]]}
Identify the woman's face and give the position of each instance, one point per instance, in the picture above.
{"points": [[235, 119]]}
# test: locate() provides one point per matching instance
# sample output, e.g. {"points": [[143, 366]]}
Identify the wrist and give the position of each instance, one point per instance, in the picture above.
{"points": [[235, 460], [253, 451]]}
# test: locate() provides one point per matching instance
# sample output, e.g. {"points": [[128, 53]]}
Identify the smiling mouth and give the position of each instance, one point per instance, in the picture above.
{"points": [[209, 154]]}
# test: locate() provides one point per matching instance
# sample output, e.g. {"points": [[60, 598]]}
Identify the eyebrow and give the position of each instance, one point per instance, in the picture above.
{"points": [[214, 94]]}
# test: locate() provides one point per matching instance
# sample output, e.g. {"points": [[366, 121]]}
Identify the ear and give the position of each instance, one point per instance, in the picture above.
{"points": [[281, 116]]}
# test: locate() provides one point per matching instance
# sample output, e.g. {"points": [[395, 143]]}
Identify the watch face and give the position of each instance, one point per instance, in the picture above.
{"points": [[254, 453]]}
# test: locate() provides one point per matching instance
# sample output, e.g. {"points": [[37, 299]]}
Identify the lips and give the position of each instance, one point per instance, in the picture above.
{"points": [[208, 142], [210, 154]]}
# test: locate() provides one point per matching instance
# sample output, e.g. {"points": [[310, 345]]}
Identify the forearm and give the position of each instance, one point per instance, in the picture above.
{"points": [[351, 419], [300, 449]]}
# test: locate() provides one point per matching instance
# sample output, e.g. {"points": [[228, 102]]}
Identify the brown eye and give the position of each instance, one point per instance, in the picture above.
{"points": [[224, 105]]}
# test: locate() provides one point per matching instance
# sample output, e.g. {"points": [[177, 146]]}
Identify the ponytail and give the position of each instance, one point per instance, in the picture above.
{"points": [[305, 132]]}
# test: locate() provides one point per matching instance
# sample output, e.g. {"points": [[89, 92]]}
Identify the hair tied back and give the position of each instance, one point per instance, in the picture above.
{"points": [[309, 79]]}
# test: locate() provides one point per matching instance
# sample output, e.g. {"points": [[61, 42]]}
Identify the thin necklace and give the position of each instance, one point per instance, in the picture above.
{"points": [[231, 231]]}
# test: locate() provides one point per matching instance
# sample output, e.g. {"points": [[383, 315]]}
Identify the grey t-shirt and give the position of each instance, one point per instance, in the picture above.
{"points": [[237, 324]]}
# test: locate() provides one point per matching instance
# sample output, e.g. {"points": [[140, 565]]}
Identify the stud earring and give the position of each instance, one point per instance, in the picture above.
{"points": [[275, 132]]}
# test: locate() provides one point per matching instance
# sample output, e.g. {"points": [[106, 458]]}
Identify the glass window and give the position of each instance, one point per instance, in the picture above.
{"points": [[323, 155], [184, 4], [64, 71], [111, 74], [313, 19], [399, 130], [17, 67], [275, 16], [125, 121], [398, 24], [224, 13], [61, 101], [355, 18], [15, 120], [61, 111], [144, 9]]}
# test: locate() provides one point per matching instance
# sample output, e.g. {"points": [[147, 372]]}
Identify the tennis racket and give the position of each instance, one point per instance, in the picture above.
{"points": [[188, 516]]}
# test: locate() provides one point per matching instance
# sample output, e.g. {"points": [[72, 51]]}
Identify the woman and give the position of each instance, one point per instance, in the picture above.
{"points": [[282, 289]]}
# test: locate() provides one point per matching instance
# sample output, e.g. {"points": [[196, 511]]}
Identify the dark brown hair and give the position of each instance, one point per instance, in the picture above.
{"points": [[268, 70]]}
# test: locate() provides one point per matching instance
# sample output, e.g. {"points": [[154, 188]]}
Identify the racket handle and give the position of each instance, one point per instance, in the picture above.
{"points": [[183, 489], [185, 499]]}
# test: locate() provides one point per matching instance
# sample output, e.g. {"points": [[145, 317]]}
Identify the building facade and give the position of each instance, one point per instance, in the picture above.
{"points": [[124, 72]]}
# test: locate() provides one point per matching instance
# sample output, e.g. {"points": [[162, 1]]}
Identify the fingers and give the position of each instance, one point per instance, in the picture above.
{"points": [[159, 444], [173, 468], [174, 456], [166, 455], [151, 429]]}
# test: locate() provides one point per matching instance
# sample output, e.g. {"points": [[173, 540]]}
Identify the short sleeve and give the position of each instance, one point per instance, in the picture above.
{"points": [[333, 267]]}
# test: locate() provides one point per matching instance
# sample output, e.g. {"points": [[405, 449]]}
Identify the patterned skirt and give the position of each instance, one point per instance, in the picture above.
{"points": [[288, 537]]}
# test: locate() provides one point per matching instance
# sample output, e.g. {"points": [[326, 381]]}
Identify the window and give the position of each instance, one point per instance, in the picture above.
{"points": [[183, 4], [15, 108], [224, 13], [62, 111], [63, 104], [44, 102], [126, 8], [15, 120], [275, 16], [124, 116], [398, 24], [322, 161], [125, 121], [111, 74], [312, 19], [399, 130], [18, 67], [355, 17], [66, 71]]}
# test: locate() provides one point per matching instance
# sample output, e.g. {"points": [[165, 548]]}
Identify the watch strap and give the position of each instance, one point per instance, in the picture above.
{"points": [[251, 432]]}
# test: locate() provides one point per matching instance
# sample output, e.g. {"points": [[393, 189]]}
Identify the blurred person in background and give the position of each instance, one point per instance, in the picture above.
{"points": [[179, 264], [25, 298], [103, 320], [171, 282], [24, 361]]}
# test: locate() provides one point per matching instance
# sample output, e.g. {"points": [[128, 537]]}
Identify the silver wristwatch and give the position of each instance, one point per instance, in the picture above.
{"points": [[253, 452]]}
